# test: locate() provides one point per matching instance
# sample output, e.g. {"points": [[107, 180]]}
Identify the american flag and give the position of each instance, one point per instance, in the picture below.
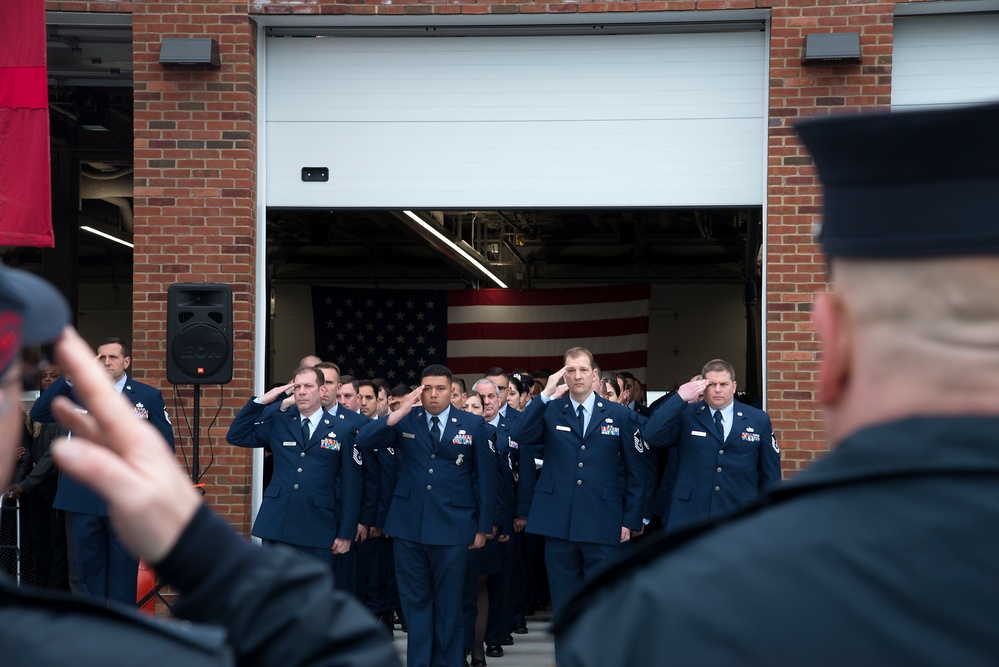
{"points": [[395, 333]]}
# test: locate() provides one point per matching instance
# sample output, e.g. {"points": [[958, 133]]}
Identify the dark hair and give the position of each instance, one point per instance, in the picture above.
{"points": [[368, 383], [320, 378], [517, 383], [437, 370], [126, 351], [474, 394], [494, 371], [349, 379], [611, 381], [399, 391], [380, 383], [461, 383]]}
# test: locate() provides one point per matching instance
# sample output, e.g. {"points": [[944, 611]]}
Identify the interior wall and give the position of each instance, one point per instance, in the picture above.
{"points": [[688, 325], [105, 310]]}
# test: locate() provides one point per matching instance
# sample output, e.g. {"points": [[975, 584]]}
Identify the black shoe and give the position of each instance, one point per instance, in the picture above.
{"points": [[507, 641], [386, 620], [494, 651], [520, 629], [478, 663]]}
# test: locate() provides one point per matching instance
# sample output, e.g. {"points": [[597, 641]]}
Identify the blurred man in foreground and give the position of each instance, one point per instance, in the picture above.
{"points": [[885, 552], [271, 607]]}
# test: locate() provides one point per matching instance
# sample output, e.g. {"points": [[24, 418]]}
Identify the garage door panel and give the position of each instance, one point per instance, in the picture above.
{"points": [[945, 59], [634, 120]]}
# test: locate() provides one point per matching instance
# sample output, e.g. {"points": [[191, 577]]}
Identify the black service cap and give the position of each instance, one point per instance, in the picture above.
{"points": [[908, 183]]}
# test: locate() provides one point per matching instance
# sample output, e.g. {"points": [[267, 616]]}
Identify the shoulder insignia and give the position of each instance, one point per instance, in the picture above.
{"points": [[773, 440], [166, 416], [357, 457], [639, 442]]}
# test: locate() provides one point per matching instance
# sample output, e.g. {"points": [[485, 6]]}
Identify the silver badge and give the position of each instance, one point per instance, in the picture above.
{"points": [[461, 457]]}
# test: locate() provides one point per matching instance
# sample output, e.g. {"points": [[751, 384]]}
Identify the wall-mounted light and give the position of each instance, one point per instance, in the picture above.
{"points": [[190, 51], [832, 47], [464, 254]]}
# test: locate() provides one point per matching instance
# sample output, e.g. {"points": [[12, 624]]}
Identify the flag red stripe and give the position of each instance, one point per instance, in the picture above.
{"points": [[549, 297], [476, 365], [546, 330]]}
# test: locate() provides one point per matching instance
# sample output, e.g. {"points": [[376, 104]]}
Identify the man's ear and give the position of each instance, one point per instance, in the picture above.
{"points": [[829, 316], [128, 362]]}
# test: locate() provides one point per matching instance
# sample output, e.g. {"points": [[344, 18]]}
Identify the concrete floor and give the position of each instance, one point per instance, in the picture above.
{"points": [[535, 649]]}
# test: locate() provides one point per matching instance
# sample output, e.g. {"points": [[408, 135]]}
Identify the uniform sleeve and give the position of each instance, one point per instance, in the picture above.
{"points": [[41, 411], [769, 459], [351, 476], [158, 417], [249, 429], [663, 427], [486, 481], [636, 473]]}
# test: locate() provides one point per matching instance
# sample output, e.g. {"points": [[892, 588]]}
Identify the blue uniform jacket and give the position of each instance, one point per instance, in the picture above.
{"points": [[591, 484], [300, 505], [711, 477], [147, 403], [506, 464], [446, 491]]}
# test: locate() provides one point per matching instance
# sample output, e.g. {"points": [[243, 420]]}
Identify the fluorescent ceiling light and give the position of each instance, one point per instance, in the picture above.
{"points": [[107, 236], [457, 248]]}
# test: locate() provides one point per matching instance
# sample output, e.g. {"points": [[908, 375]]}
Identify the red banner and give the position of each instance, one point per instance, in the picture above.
{"points": [[25, 190]]}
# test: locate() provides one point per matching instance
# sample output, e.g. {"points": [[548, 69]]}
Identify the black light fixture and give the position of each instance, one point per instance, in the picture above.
{"points": [[190, 51], [831, 48]]}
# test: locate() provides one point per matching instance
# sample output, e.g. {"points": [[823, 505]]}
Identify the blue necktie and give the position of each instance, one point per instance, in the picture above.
{"points": [[435, 429], [581, 414], [306, 431], [719, 426]]}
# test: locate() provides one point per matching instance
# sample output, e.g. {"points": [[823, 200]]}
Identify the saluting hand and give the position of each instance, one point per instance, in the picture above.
{"points": [[692, 390], [276, 392], [552, 387], [405, 405]]}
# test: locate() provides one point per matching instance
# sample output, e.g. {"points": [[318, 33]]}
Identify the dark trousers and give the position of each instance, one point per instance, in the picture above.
{"points": [[501, 597], [105, 569], [430, 579], [325, 555]]}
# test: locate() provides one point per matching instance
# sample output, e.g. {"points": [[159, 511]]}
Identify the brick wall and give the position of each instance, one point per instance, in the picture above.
{"points": [[195, 137], [195, 211], [795, 270]]}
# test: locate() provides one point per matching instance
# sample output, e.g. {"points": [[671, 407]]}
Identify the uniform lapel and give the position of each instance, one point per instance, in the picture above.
{"points": [[569, 417], [421, 429], [449, 430], [598, 416], [707, 422]]}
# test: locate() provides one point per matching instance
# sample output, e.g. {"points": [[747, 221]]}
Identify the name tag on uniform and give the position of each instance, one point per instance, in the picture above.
{"points": [[408, 435], [290, 444], [699, 434], [563, 428]]}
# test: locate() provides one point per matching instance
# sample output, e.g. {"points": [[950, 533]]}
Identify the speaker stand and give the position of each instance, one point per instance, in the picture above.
{"points": [[195, 468]]}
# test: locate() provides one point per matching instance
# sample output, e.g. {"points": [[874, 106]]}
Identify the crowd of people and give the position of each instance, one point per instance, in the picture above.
{"points": [[884, 552], [521, 487]]}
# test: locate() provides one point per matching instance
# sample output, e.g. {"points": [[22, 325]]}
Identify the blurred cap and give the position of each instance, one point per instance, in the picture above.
{"points": [[31, 311], [908, 183]]}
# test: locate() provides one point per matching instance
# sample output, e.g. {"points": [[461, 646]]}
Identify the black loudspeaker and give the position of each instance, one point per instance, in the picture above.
{"points": [[199, 333]]}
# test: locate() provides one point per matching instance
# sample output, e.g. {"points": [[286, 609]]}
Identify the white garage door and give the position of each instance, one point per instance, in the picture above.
{"points": [[945, 59], [515, 122]]}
